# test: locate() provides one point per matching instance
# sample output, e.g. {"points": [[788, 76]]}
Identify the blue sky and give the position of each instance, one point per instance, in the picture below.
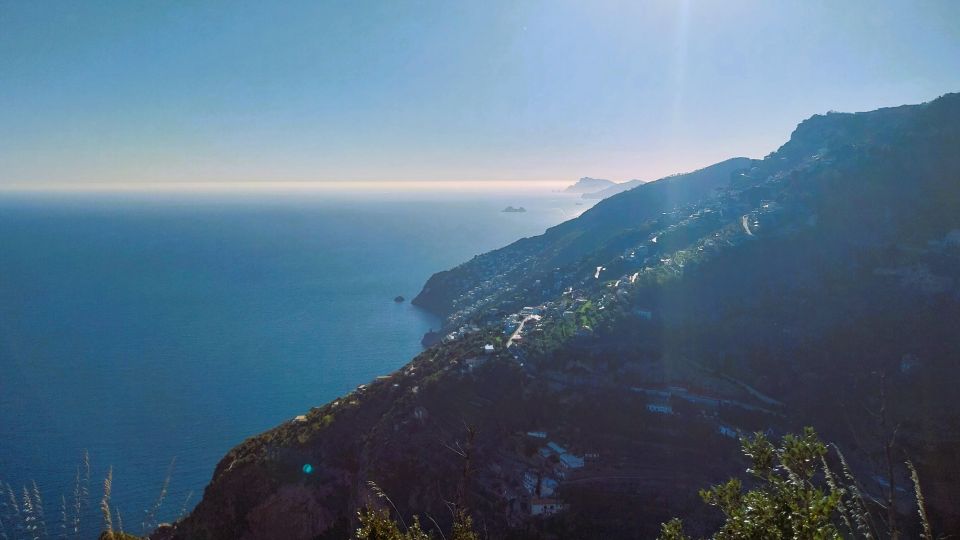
{"points": [[139, 92]]}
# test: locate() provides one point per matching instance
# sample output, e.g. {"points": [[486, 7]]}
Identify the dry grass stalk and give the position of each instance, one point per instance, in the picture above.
{"points": [[14, 504], [10, 514], [64, 522], [77, 503], [81, 490], [186, 502], [836, 487], [119, 520], [38, 509], [105, 503], [150, 516], [379, 493], [29, 516], [857, 507], [921, 504]]}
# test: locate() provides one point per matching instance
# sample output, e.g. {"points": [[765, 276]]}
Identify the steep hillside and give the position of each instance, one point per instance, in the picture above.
{"points": [[477, 284], [630, 346]]}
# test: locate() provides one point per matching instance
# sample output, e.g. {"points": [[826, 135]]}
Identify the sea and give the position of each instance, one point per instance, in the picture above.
{"points": [[157, 330]]}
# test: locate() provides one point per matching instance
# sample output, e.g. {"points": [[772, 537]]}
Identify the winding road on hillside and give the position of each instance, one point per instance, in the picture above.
{"points": [[516, 333]]}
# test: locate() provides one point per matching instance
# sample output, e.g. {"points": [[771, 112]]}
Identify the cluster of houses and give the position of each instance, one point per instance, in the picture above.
{"points": [[636, 256], [460, 332], [514, 320], [556, 464], [759, 219], [471, 364], [648, 255], [495, 268], [565, 461]]}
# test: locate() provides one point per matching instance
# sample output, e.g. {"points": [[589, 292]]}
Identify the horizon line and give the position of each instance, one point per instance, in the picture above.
{"points": [[259, 186]]}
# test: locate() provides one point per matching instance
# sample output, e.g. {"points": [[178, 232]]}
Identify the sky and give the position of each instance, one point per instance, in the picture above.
{"points": [[141, 93]]}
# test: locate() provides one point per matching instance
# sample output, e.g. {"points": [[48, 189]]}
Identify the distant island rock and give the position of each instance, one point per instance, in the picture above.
{"points": [[589, 185], [399, 299], [512, 209]]}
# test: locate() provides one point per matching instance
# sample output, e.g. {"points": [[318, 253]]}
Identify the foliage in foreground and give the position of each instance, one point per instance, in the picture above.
{"points": [[22, 517], [797, 495], [377, 525]]}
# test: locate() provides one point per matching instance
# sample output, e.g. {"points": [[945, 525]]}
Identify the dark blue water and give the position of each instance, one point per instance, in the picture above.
{"points": [[143, 329]]}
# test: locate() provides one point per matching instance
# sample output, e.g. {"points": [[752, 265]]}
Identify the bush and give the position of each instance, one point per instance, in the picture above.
{"points": [[797, 495]]}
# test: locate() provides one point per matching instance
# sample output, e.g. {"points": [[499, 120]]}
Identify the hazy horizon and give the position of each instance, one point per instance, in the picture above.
{"points": [[332, 187], [120, 94]]}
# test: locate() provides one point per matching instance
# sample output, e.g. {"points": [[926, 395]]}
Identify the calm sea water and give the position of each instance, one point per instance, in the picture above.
{"points": [[147, 328]]}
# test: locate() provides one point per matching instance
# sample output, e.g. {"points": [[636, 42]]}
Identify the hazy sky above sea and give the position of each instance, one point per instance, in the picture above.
{"points": [[139, 93]]}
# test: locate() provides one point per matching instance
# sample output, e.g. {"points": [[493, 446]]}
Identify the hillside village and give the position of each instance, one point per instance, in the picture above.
{"points": [[761, 203], [532, 484], [591, 292]]}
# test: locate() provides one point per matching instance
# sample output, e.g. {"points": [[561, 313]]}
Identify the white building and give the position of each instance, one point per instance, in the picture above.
{"points": [[570, 461], [556, 448], [545, 507], [548, 486], [660, 409]]}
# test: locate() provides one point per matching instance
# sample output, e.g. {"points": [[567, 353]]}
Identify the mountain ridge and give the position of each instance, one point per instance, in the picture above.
{"points": [[589, 185], [648, 200], [613, 190], [747, 296]]}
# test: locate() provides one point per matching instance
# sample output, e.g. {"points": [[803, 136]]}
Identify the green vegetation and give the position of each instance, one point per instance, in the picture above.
{"points": [[797, 495], [107, 535], [587, 314], [377, 525]]}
